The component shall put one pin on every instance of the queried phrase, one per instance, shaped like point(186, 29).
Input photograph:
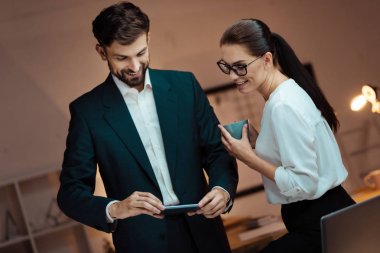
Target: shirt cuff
point(229, 203)
point(289, 191)
point(108, 216)
point(228, 194)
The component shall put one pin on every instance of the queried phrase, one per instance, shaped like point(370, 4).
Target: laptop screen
point(354, 229)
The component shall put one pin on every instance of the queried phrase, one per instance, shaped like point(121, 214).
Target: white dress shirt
point(297, 139)
point(142, 108)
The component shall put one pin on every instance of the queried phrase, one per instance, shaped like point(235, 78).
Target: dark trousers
point(179, 235)
point(302, 220)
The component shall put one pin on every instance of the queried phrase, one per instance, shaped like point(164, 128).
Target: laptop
point(354, 229)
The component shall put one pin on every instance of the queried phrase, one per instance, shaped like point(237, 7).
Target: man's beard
point(132, 81)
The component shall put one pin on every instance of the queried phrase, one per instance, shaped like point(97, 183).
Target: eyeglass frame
point(231, 67)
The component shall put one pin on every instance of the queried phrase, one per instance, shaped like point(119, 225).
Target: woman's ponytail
point(291, 66)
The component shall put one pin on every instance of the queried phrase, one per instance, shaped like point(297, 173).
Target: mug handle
point(368, 180)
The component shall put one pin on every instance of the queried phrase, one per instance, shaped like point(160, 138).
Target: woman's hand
point(241, 149)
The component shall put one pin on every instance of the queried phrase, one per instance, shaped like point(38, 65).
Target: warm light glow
point(369, 93)
point(358, 102)
point(376, 107)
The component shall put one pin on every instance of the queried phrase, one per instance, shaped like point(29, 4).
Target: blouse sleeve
point(297, 176)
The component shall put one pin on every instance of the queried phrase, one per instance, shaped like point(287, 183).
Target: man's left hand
point(212, 204)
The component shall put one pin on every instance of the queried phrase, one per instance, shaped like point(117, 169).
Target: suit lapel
point(119, 118)
point(166, 105)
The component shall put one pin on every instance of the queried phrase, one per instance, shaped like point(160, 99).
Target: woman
point(296, 152)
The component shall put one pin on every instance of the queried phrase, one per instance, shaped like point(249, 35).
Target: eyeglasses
point(238, 69)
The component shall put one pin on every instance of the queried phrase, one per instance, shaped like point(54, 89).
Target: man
point(151, 133)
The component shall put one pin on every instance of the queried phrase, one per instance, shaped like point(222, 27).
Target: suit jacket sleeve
point(220, 167)
point(75, 196)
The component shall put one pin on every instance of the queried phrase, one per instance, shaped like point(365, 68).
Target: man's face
point(128, 62)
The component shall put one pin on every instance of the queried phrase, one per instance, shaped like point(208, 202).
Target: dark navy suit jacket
point(102, 133)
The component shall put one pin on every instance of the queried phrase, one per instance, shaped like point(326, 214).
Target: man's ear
point(101, 52)
point(148, 37)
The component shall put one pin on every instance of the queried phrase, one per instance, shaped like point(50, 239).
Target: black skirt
point(302, 219)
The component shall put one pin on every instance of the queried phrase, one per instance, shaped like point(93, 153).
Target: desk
point(235, 226)
point(364, 193)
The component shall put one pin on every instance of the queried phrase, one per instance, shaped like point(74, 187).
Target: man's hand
point(212, 204)
point(136, 204)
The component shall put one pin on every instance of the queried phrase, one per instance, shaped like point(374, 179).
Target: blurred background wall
point(48, 58)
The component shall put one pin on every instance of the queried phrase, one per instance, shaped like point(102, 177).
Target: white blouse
point(297, 139)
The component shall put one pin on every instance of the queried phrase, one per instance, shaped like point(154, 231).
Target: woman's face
point(237, 57)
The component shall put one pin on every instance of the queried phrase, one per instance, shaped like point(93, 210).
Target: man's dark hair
point(123, 22)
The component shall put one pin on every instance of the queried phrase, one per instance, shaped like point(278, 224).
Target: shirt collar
point(125, 88)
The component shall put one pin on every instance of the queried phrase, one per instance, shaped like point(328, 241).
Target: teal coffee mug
point(236, 128)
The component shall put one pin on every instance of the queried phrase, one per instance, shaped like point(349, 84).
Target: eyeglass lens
point(240, 70)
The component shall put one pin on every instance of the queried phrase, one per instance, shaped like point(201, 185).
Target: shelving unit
point(27, 227)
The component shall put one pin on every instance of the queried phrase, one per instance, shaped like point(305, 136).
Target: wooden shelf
point(16, 240)
point(18, 200)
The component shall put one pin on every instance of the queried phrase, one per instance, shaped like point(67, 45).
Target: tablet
point(179, 209)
